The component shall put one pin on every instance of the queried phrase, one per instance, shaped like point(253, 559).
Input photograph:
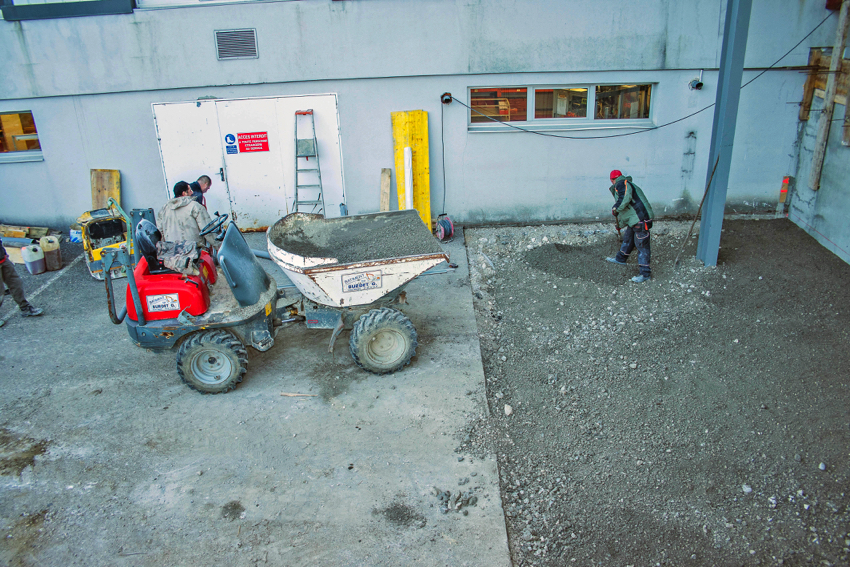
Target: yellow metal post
point(410, 130)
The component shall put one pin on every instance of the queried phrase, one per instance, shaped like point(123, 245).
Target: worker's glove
point(614, 212)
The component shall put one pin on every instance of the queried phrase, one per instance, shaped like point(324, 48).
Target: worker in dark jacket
point(634, 214)
point(9, 276)
point(199, 187)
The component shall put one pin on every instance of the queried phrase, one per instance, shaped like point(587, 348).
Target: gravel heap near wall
point(697, 419)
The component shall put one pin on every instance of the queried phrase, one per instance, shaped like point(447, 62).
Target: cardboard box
point(14, 254)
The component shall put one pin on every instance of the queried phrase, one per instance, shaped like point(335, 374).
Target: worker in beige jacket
point(182, 218)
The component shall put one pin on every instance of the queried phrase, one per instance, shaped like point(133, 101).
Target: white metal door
point(189, 147)
point(253, 161)
point(250, 143)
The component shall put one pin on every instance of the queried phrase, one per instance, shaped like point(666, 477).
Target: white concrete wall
point(320, 39)
point(90, 82)
point(824, 213)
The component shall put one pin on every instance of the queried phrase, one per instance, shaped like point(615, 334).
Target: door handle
point(221, 172)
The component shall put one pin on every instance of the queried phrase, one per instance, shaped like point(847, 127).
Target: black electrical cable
point(645, 130)
point(584, 137)
point(828, 16)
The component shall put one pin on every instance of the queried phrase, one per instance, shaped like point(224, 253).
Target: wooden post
point(105, 183)
point(385, 189)
point(811, 80)
point(829, 98)
point(844, 90)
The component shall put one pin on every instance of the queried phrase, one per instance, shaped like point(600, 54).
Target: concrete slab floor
point(107, 458)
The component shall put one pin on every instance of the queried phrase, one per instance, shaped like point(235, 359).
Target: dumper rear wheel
point(212, 362)
point(382, 341)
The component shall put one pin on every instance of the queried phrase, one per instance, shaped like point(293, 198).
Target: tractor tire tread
point(218, 337)
point(374, 320)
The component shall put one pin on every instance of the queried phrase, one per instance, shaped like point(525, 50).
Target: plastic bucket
point(33, 258)
point(52, 253)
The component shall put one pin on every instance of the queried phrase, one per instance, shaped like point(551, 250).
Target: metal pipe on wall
point(408, 178)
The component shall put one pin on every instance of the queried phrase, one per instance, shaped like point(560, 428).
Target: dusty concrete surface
point(700, 418)
point(107, 459)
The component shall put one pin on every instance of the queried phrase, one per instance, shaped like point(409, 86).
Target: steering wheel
point(214, 225)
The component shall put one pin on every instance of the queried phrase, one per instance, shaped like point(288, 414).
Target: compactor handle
point(108, 260)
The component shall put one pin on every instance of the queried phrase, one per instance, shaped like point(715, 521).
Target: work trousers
point(636, 237)
point(10, 277)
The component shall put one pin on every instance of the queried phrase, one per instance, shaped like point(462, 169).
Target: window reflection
point(501, 104)
point(18, 133)
point(622, 101)
point(560, 103)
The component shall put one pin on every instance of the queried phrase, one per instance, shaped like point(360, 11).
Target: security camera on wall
point(696, 84)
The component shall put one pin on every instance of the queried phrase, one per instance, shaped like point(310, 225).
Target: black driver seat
point(147, 235)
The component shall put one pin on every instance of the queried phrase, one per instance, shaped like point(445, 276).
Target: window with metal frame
point(560, 103)
point(18, 137)
point(22, 10)
point(618, 102)
point(561, 106)
point(503, 104)
point(145, 4)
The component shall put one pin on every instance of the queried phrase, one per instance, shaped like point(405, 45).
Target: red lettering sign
point(253, 142)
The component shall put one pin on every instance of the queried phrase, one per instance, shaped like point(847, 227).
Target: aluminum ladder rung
point(306, 148)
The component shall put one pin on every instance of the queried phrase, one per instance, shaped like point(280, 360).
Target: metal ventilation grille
point(236, 44)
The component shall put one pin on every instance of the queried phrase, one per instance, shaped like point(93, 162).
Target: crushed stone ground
point(697, 419)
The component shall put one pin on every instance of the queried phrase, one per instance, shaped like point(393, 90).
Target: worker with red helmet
point(634, 214)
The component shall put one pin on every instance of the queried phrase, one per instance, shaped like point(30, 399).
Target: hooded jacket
point(631, 204)
point(182, 218)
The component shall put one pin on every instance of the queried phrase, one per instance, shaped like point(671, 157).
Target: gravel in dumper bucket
point(356, 260)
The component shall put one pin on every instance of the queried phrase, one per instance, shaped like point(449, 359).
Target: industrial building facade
point(547, 98)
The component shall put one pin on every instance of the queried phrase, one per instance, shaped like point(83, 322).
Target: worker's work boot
point(641, 278)
point(615, 261)
point(30, 311)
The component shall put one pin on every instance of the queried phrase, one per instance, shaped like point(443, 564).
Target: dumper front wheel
point(212, 362)
point(382, 341)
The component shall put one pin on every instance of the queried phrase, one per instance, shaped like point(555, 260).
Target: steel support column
point(723, 129)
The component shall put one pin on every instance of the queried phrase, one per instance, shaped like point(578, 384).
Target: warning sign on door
point(253, 142)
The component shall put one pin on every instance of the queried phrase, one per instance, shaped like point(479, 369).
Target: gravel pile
point(356, 238)
point(696, 419)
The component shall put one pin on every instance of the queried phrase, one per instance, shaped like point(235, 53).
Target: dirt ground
point(701, 418)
